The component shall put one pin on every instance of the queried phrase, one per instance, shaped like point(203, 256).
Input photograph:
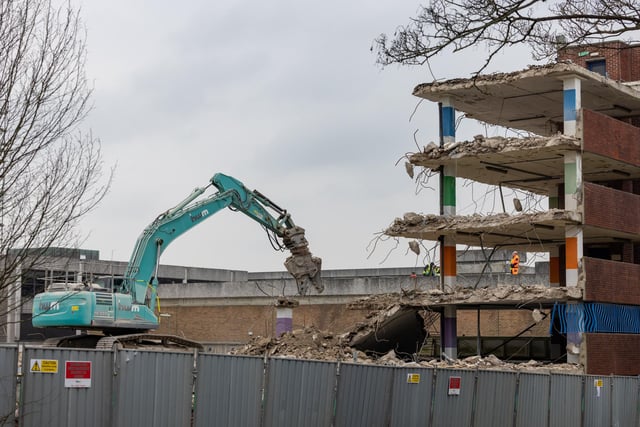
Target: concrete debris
point(502, 77)
point(401, 330)
point(409, 168)
point(414, 222)
point(503, 294)
point(537, 315)
point(415, 247)
point(307, 343)
point(496, 144)
point(491, 362)
point(312, 344)
point(396, 327)
point(286, 302)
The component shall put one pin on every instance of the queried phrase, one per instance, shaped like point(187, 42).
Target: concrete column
point(554, 197)
point(572, 100)
point(554, 267)
point(554, 253)
point(449, 337)
point(284, 320)
point(448, 257)
point(574, 252)
point(448, 123)
point(572, 180)
point(448, 197)
point(284, 315)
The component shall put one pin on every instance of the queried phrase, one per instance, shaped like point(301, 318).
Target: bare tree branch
point(450, 26)
point(50, 173)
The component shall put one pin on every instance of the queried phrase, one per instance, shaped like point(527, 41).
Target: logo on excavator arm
point(200, 215)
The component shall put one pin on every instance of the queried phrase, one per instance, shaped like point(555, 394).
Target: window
point(598, 66)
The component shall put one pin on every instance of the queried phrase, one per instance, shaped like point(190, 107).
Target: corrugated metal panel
point(596, 317)
point(495, 398)
point(47, 402)
point(411, 401)
point(625, 401)
point(565, 402)
point(153, 388)
point(299, 393)
point(532, 405)
point(228, 391)
point(8, 370)
point(364, 395)
point(453, 410)
point(597, 401)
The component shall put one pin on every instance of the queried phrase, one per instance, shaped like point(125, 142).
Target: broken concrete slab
point(531, 99)
point(507, 296)
point(402, 332)
point(532, 231)
point(533, 164)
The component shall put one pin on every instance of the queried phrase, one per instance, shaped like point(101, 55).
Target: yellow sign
point(44, 366)
point(597, 383)
point(413, 378)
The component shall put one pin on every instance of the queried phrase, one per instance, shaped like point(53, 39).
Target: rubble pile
point(307, 343)
point(312, 344)
point(489, 363)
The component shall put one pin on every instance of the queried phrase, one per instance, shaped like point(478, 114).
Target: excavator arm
point(142, 271)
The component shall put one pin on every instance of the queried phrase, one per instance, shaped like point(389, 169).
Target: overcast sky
point(284, 96)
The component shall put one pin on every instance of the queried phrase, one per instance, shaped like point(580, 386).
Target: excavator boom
point(133, 307)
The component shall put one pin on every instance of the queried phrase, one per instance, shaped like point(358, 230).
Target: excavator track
point(146, 341)
point(73, 341)
point(142, 341)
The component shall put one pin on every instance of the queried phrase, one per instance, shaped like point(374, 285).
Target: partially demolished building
point(583, 153)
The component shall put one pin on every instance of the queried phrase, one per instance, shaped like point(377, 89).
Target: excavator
point(127, 313)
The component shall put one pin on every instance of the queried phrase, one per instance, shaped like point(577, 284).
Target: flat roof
point(532, 99)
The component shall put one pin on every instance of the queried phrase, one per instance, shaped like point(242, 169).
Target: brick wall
point(611, 209)
point(500, 323)
point(622, 60)
point(617, 354)
point(232, 323)
point(611, 281)
point(609, 137)
point(634, 64)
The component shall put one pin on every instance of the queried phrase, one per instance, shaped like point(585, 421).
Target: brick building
point(582, 153)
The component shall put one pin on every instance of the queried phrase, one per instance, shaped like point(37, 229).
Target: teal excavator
point(128, 312)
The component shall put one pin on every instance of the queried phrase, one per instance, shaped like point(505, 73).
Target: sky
point(284, 96)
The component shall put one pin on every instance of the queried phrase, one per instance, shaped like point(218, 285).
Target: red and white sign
point(454, 386)
point(77, 374)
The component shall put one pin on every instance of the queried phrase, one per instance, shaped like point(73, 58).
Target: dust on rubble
point(484, 145)
point(311, 343)
point(307, 343)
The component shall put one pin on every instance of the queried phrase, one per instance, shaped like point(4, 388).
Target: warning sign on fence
point(77, 374)
point(454, 386)
point(43, 366)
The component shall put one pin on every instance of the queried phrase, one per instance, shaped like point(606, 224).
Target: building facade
point(582, 152)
